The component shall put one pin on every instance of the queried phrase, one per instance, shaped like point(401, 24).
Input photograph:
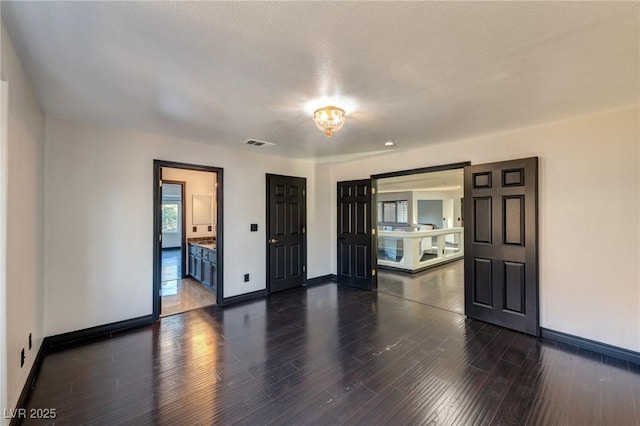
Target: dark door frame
point(267, 236)
point(421, 170)
point(157, 226)
point(374, 202)
point(183, 235)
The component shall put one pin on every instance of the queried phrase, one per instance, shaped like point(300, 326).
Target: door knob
point(273, 241)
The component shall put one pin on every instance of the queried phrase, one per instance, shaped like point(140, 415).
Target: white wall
point(24, 223)
point(589, 215)
point(321, 221)
point(99, 202)
point(454, 197)
point(196, 182)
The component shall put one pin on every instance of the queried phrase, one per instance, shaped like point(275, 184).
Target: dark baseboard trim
point(74, 338)
point(321, 280)
point(243, 297)
point(592, 345)
point(23, 399)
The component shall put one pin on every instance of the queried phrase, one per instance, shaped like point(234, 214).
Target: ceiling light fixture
point(329, 119)
point(389, 143)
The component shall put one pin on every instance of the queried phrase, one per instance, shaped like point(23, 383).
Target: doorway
point(188, 242)
point(173, 265)
point(500, 245)
point(419, 235)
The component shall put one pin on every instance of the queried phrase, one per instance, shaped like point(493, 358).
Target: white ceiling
point(414, 72)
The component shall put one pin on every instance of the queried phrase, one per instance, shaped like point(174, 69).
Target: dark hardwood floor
point(333, 355)
point(441, 287)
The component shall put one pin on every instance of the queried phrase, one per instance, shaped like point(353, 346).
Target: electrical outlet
point(30, 341)
point(254, 227)
point(195, 229)
point(246, 278)
point(209, 228)
point(22, 358)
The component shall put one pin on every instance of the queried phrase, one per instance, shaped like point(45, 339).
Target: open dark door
point(286, 232)
point(355, 235)
point(501, 244)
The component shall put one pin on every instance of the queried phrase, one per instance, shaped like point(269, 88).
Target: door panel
point(513, 224)
point(483, 282)
point(286, 239)
point(501, 244)
point(514, 287)
point(355, 239)
point(482, 218)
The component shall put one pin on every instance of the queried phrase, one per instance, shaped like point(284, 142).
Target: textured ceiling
point(414, 72)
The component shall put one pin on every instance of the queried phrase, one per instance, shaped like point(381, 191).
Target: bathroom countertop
point(205, 244)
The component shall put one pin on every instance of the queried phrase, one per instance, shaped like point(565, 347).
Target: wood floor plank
point(337, 413)
point(552, 399)
point(384, 408)
point(519, 349)
point(584, 392)
point(279, 399)
point(515, 408)
point(493, 391)
point(486, 359)
point(462, 393)
point(617, 404)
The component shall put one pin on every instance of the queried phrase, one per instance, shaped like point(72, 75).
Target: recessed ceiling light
point(389, 143)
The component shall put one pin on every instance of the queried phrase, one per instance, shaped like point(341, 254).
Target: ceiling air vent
point(255, 142)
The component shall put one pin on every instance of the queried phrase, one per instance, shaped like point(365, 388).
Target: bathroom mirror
point(202, 209)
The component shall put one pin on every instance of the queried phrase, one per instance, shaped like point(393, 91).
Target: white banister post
point(442, 243)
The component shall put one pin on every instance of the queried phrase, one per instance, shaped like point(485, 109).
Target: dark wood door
point(501, 244)
point(286, 233)
point(355, 235)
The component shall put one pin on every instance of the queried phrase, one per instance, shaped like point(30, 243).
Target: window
point(389, 212)
point(169, 217)
point(393, 211)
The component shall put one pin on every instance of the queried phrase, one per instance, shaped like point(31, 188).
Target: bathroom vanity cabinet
point(203, 264)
